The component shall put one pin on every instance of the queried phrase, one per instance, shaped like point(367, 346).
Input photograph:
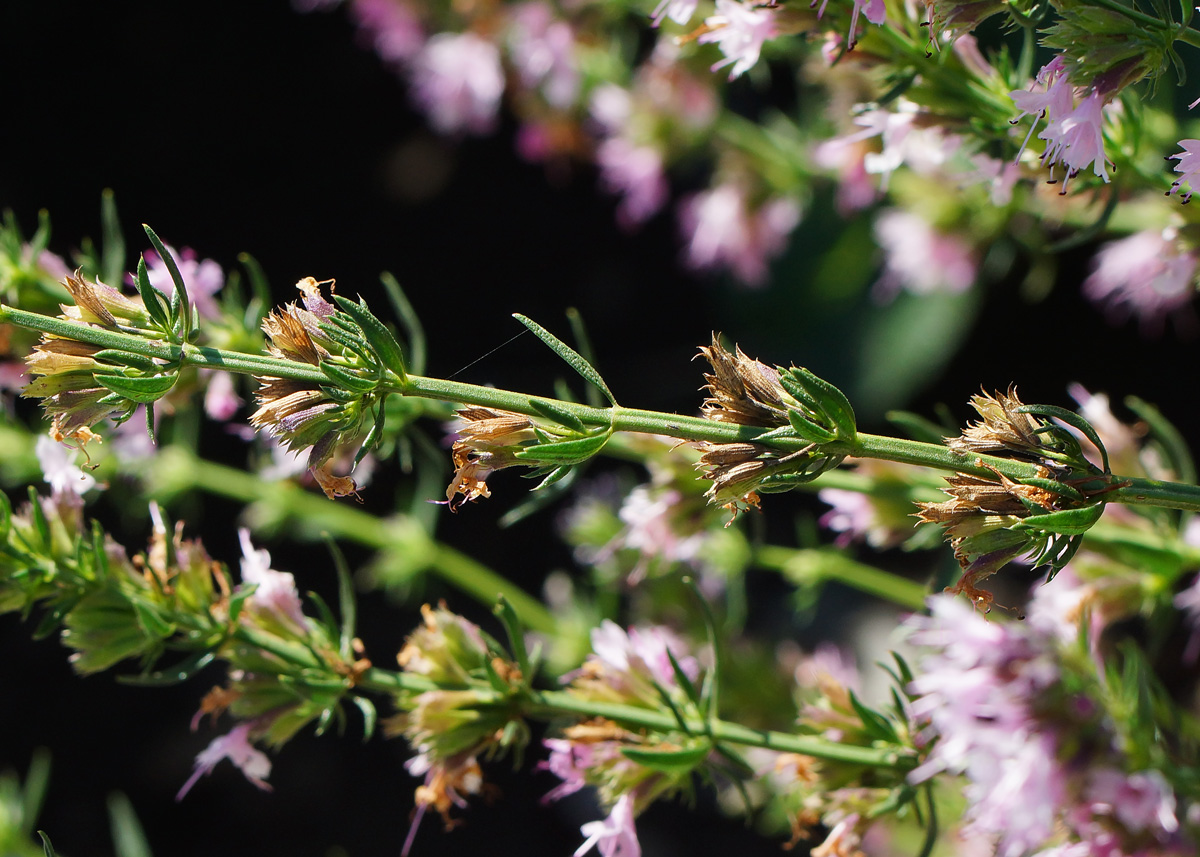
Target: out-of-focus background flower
point(234, 127)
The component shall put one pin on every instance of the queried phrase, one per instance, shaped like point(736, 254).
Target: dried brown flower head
point(742, 390)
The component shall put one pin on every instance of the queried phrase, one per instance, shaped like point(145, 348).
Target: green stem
point(549, 705)
point(176, 470)
point(1138, 491)
point(826, 565)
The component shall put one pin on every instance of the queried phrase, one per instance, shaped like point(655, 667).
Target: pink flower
point(642, 652)
point(919, 259)
point(221, 401)
point(1146, 275)
point(458, 81)
point(723, 232)
point(66, 478)
point(739, 30)
point(392, 28)
point(1141, 801)
point(1188, 167)
point(1054, 101)
point(275, 594)
point(616, 835)
point(236, 747)
point(679, 11)
point(1076, 139)
point(636, 173)
point(875, 12)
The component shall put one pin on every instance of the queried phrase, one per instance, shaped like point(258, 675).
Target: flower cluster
point(1006, 706)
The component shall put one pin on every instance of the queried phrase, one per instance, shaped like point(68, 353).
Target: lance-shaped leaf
point(558, 414)
point(1072, 419)
point(566, 451)
point(572, 357)
point(155, 301)
point(830, 401)
point(181, 304)
point(385, 346)
point(145, 389)
point(1067, 522)
point(348, 379)
point(668, 761)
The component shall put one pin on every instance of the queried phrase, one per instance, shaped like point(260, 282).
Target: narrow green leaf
point(129, 840)
point(5, 517)
point(831, 401)
point(809, 430)
point(1069, 522)
point(515, 630)
point(40, 525)
point(47, 848)
point(112, 242)
point(668, 761)
point(177, 674)
point(148, 388)
point(150, 621)
point(1161, 429)
point(710, 693)
point(33, 791)
point(560, 415)
point(184, 318)
point(579, 332)
point(126, 358)
point(369, 715)
point(1072, 419)
point(386, 348)
point(684, 680)
point(876, 725)
point(572, 357)
point(260, 305)
point(347, 605)
point(564, 452)
point(155, 301)
point(348, 379)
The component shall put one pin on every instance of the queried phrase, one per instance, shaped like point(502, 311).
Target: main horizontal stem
point(1133, 490)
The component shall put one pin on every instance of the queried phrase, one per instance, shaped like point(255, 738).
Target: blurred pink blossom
point(236, 747)
point(920, 259)
point(458, 81)
point(202, 278)
point(392, 28)
point(542, 48)
point(616, 835)
point(636, 174)
point(1187, 168)
point(739, 30)
point(723, 232)
point(1145, 274)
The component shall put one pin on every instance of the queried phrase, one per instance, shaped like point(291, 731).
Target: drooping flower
point(66, 478)
point(237, 748)
point(1077, 139)
point(1187, 168)
point(458, 81)
point(1146, 274)
point(615, 836)
point(739, 30)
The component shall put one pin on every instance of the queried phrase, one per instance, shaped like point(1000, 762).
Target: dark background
point(233, 126)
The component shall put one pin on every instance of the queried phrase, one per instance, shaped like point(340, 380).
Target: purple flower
point(1055, 100)
point(723, 232)
point(739, 30)
point(236, 747)
point(1188, 167)
point(650, 528)
point(875, 12)
point(1146, 275)
point(221, 401)
point(458, 81)
point(616, 835)
point(919, 259)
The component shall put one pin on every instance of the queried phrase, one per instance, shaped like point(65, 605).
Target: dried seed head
point(289, 335)
point(1002, 431)
point(96, 303)
point(487, 440)
point(742, 390)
